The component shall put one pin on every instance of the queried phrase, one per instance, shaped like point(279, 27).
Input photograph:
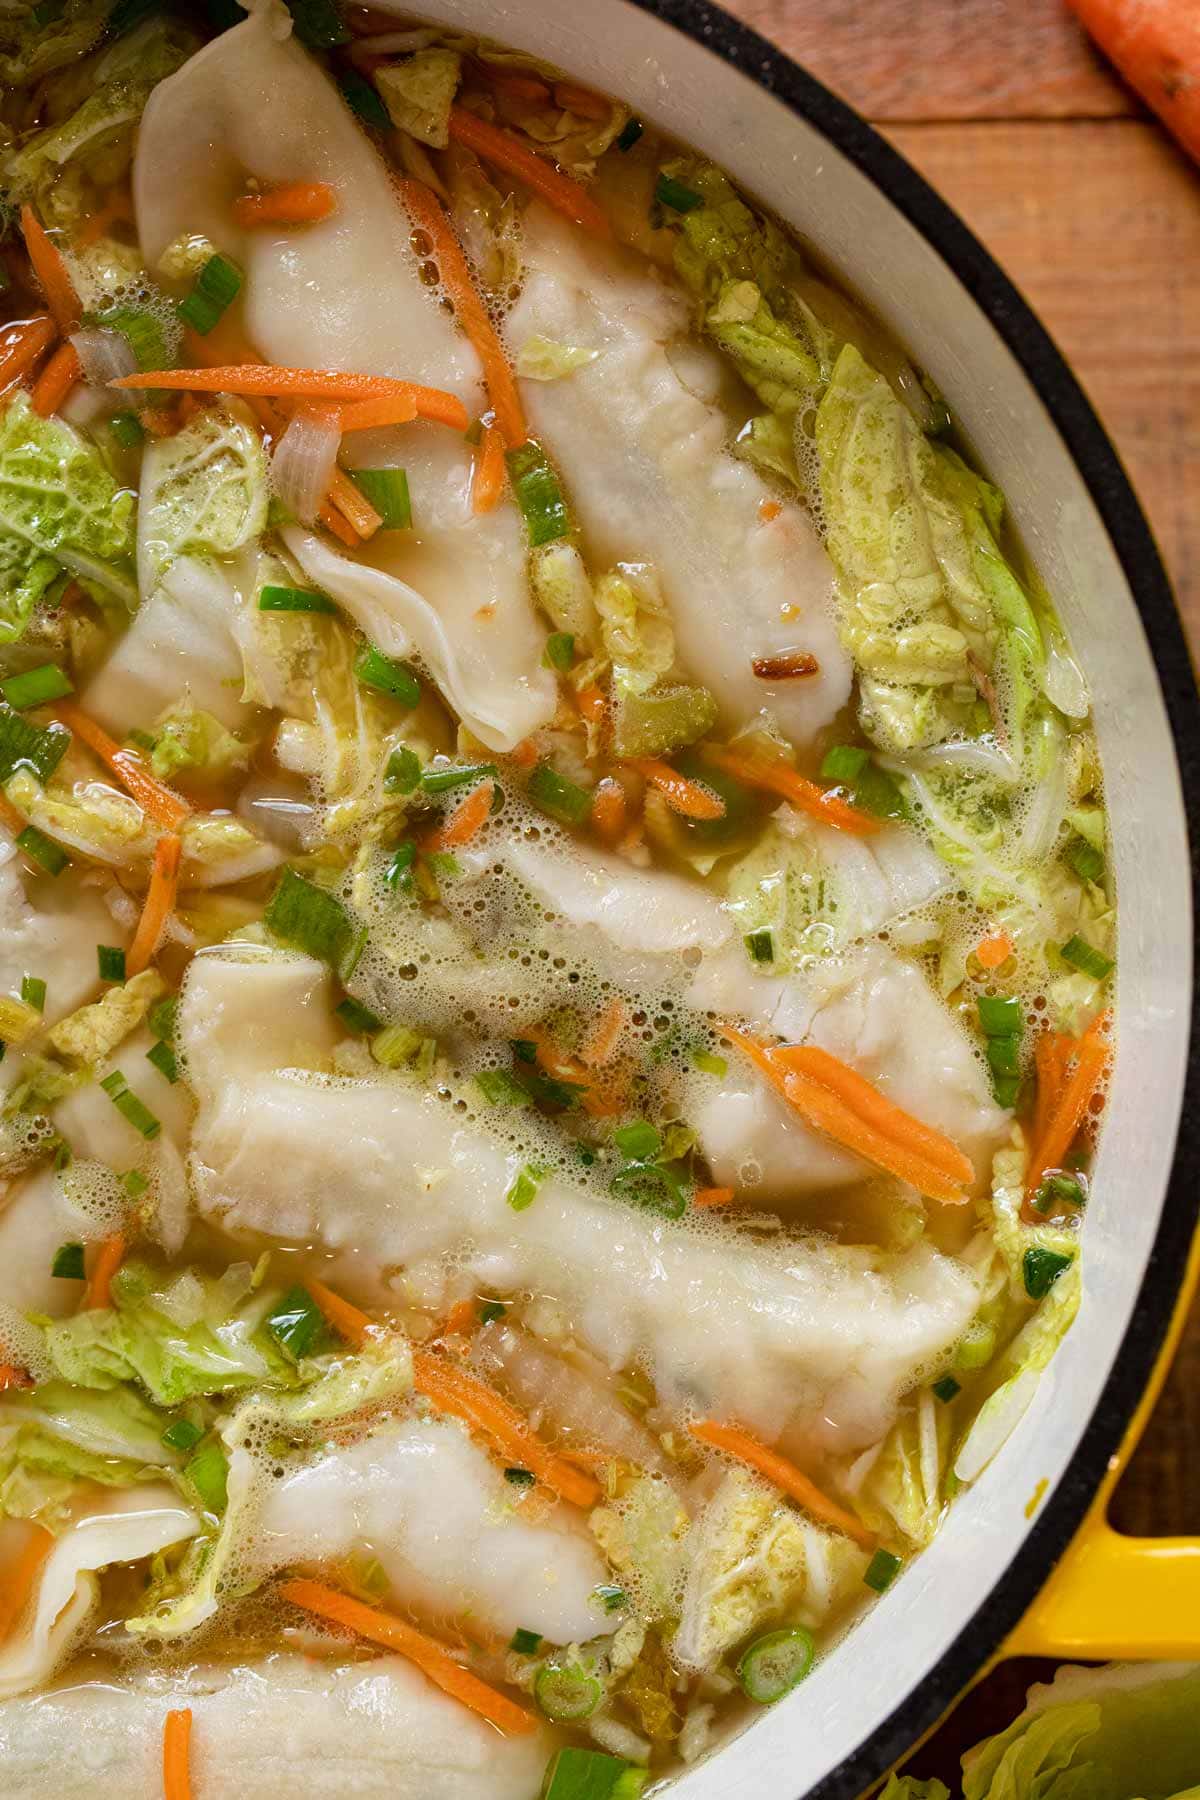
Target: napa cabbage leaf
point(57, 1436)
point(32, 45)
point(747, 1565)
point(187, 739)
point(204, 491)
point(93, 1032)
point(419, 91)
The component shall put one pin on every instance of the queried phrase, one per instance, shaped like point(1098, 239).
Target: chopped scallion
point(776, 1663)
point(1041, 1268)
point(761, 945)
point(33, 992)
point(1004, 1055)
point(500, 1088)
point(1000, 1016)
point(142, 330)
point(402, 771)
point(710, 1063)
point(525, 1643)
point(68, 1262)
point(538, 494)
point(1061, 1190)
point(356, 1017)
point(1085, 859)
point(567, 1692)
point(653, 1186)
point(641, 1140)
point(491, 1310)
point(396, 1045)
point(523, 1189)
point(182, 1435)
point(945, 1389)
point(296, 1323)
point(308, 918)
point(386, 676)
point(387, 490)
point(558, 796)
point(442, 780)
point(1085, 957)
point(134, 1183)
point(521, 1478)
point(292, 599)
point(26, 746)
point(844, 763)
point(610, 1597)
point(128, 430)
point(363, 97)
point(208, 1473)
point(882, 1570)
point(560, 651)
point(215, 289)
point(43, 850)
point(576, 1774)
point(399, 870)
point(672, 193)
point(161, 1017)
point(34, 687)
point(629, 134)
point(111, 962)
point(163, 1058)
point(129, 1106)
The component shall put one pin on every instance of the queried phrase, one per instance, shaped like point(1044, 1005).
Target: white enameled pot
point(694, 72)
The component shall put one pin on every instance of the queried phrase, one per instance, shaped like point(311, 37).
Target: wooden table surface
point(1089, 206)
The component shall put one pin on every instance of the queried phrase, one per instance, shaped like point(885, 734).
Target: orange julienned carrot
point(158, 803)
point(994, 949)
point(784, 1475)
point(12, 1377)
point(356, 1326)
point(433, 1660)
point(561, 1066)
point(159, 903)
point(272, 381)
point(51, 271)
point(462, 1318)
point(20, 1576)
point(609, 809)
point(468, 818)
point(176, 1754)
point(487, 479)
point(293, 203)
point(823, 1109)
point(591, 703)
point(525, 755)
point(428, 215)
point(514, 84)
point(775, 776)
point(1156, 46)
point(1071, 1103)
point(713, 1196)
point(690, 798)
point(453, 1390)
point(1051, 1054)
point(582, 101)
point(505, 151)
point(600, 1042)
point(56, 380)
point(108, 1261)
point(353, 504)
point(426, 403)
point(24, 343)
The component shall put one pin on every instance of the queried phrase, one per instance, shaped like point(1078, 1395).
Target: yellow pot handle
point(1116, 1596)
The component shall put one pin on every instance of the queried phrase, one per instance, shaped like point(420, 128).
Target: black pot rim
point(1100, 468)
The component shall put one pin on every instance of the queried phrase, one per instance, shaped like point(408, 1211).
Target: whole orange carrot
point(1156, 46)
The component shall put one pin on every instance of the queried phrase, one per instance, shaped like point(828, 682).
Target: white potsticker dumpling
point(51, 933)
point(347, 294)
point(124, 1526)
point(36, 1219)
point(811, 1337)
point(286, 1724)
point(651, 480)
point(94, 1127)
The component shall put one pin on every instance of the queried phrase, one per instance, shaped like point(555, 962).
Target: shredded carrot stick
point(604, 1036)
point(768, 510)
point(12, 1377)
point(23, 345)
point(1071, 1103)
point(507, 152)
point(433, 1660)
point(462, 1318)
point(876, 1110)
point(782, 1474)
point(774, 776)
point(514, 84)
point(427, 214)
point(353, 504)
point(526, 754)
point(591, 703)
point(993, 950)
point(116, 209)
point(714, 1196)
point(108, 1261)
point(487, 480)
point(273, 382)
point(156, 801)
point(453, 1390)
point(159, 903)
point(416, 402)
point(609, 809)
point(823, 1109)
point(19, 1579)
point(294, 203)
point(51, 271)
point(356, 1326)
point(177, 1740)
point(10, 818)
point(1051, 1054)
point(596, 1102)
point(581, 100)
point(56, 380)
point(690, 798)
point(468, 818)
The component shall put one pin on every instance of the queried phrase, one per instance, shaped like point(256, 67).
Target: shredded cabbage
point(57, 1436)
point(635, 625)
point(419, 93)
point(187, 738)
point(204, 491)
point(540, 359)
point(93, 1032)
point(747, 1565)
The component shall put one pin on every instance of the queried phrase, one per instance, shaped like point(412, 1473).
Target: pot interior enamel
point(815, 1740)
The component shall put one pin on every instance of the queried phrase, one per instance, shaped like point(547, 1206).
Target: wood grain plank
point(946, 59)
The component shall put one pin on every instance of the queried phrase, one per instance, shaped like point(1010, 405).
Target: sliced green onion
point(653, 1186)
point(208, 1473)
point(945, 1389)
point(1004, 1055)
point(576, 1774)
point(500, 1088)
point(402, 771)
point(1041, 1268)
point(538, 494)
point(844, 763)
point(525, 1643)
point(34, 687)
point(473, 435)
point(26, 746)
point(356, 1017)
point(560, 651)
point(882, 1570)
point(443, 862)
point(876, 792)
point(610, 1597)
point(68, 1262)
point(761, 945)
point(1006, 1088)
point(129, 1106)
point(182, 1435)
point(521, 1478)
point(710, 1064)
point(142, 330)
point(292, 599)
point(363, 97)
point(1063, 1188)
point(561, 798)
point(491, 1310)
point(163, 1058)
point(399, 870)
point(1085, 859)
point(527, 1181)
point(443, 780)
point(999, 1016)
point(134, 1183)
point(214, 290)
point(630, 132)
point(43, 850)
point(672, 193)
point(1082, 955)
point(318, 24)
point(62, 1155)
point(641, 1140)
point(308, 918)
point(33, 992)
point(773, 1665)
point(386, 676)
point(111, 962)
point(387, 490)
point(566, 1693)
point(127, 429)
point(296, 1323)
point(397, 1045)
point(161, 1017)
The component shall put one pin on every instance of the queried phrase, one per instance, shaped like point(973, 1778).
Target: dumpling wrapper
point(811, 1336)
point(94, 1127)
point(285, 1724)
point(651, 480)
point(347, 294)
point(125, 1526)
point(50, 930)
point(36, 1219)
